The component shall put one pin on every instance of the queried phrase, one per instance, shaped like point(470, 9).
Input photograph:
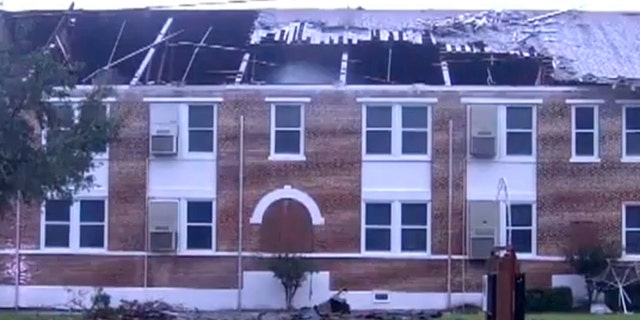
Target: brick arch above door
point(287, 192)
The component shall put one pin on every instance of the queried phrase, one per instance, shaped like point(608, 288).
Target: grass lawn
point(552, 316)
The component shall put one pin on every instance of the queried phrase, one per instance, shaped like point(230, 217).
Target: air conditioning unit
point(484, 125)
point(164, 140)
point(483, 220)
point(163, 222)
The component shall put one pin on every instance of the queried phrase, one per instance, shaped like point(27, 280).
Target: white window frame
point(534, 226)
point(624, 229)
point(183, 226)
point(625, 157)
point(504, 130)
point(397, 129)
point(395, 227)
point(184, 115)
point(76, 117)
point(300, 156)
point(74, 226)
point(595, 131)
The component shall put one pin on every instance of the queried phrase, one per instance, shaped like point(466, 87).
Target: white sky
point(588, 5)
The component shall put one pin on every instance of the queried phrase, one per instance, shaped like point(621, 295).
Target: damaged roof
point(588, 47)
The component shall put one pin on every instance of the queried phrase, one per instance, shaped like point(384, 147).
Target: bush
point(291, 270)
point(558, 299)
point(611, 298)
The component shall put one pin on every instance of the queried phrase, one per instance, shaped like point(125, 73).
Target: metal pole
point(450, 215)
point(240, 209)
point(17, 251)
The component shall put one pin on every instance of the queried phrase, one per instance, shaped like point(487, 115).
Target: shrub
point(590, 262)
point(291, 270)
point(558, 299)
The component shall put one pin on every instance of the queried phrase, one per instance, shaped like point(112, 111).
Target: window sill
point(287, 157)
point(632, 159)
point(584, 160)
point(395, 255)
point(402, 158)
point(196, 253)
point(72, 251)
point(518, 159)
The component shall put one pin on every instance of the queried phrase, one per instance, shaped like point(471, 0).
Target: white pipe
point(151, 51)
point(464, 222)
point(145, 267)
point(450, 215)
point(17, 251)
point(240, 209)
point(503, 186)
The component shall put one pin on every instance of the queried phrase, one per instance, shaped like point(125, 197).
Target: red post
point(507, 270)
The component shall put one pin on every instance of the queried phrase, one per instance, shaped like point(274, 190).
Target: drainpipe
point(240, 209)
point(450, 215)
point(18, 243)
point(145, 268)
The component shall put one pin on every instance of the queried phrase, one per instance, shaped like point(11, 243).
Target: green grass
point(552, 316)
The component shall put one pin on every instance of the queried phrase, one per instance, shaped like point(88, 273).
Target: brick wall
point(331, 176)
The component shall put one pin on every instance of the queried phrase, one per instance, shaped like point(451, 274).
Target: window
point(519, 131)
point(521, 229)
point(631, 138)
point(631, 232)
point(397, 130)
point(201, 128)
point(396, 227)
point(585, 131)
point(67, 115)
point(75, 225)
point(287, 129)
point(200, 225)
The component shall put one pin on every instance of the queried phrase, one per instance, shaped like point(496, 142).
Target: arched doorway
point(286, 227)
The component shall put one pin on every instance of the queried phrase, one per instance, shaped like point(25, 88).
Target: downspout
point(145, 268)
point(18, 243)
point(240, 209)
point(450, 215)
point(464, 222)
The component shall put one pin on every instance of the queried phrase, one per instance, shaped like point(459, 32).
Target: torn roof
point(590, 47)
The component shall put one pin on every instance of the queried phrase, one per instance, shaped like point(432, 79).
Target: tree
point(291, 270)
point(29, 168)
point(591, 261)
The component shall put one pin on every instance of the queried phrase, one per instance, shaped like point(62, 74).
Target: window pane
point(201, 140)
point(519, 118)
point(521, 240)
point(65, 116)
point(379, 117)
point(632, 242)
point(91, 210)
point(378, 142)
point(288, 116)
point(378, 214)
point(414, 142)
point(585, 118)
point(519, 143)
point(632, 216)
point(415, 117)
point(414, 214)
point(632, 118)
point(199, 237)
point(584, 144)
point(56, 236)
point(57, 210)
point(632, 144)
point(287, 142)
point(414, 240)
point(377, 239)
point(199, 211)
point(521, 215)
point(92, 236)
point(201, 116)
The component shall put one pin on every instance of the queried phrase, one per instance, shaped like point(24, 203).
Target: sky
point(587, 5)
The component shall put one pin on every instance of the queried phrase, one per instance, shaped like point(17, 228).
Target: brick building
point(346, 156)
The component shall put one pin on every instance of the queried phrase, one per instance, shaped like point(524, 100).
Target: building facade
point(358, 178)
